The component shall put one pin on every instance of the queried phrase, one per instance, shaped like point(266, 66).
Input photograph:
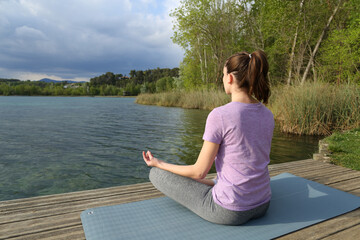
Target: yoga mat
point(296, 203)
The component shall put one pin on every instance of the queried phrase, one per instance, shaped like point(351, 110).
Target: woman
point(238, 138)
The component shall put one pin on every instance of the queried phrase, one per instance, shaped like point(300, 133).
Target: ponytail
point(250, 71)
point(257, 75)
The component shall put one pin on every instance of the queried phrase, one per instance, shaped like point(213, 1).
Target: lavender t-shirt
point(244, 132)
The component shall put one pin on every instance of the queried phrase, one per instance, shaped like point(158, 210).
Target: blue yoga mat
point(296, 203)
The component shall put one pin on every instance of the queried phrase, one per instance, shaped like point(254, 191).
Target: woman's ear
point(231, 78)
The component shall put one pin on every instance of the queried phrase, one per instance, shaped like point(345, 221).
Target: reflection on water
point(54, 144)
point(290, 147)
point(194, 124)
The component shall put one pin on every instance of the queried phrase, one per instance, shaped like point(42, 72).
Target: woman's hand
point(198, 170)
point(150, 160)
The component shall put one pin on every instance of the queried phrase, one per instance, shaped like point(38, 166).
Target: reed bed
point(311, 109)
point(202, 99)
point(316, 108)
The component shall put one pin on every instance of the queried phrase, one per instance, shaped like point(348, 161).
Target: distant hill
point(48, 80)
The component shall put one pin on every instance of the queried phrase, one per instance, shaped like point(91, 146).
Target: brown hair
point(250, 71)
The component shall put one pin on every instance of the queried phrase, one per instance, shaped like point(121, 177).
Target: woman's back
point(244, 132)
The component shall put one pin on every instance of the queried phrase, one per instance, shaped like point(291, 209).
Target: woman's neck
point(241, 95)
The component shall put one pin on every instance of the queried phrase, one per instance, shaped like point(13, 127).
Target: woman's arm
point(198, 170)
point(209, 182)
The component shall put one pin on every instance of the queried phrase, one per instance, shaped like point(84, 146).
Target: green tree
point(290, 32)
point(164, 84)
point(5, 89)
point(208, 31)
point(340, 54)
point(94, 91)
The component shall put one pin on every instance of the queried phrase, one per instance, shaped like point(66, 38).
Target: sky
point(80, 39)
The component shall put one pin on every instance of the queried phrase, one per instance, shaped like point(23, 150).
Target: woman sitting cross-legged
point(238, 138)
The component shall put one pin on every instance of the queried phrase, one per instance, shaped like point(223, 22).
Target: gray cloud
point(84, 38)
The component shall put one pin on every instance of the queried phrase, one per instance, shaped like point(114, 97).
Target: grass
point(202, 99)
point(345, 148)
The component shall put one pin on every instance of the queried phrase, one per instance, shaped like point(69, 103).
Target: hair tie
point(250, 55)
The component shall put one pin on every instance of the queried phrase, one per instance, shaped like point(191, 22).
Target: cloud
point(29, 33)
point(85, 38)
point(32, 7)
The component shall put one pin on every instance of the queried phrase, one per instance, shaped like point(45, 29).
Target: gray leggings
point(198, 198)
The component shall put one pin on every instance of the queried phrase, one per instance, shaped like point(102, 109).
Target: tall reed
point(200, 99)
point(316, 108)
point(312, 109)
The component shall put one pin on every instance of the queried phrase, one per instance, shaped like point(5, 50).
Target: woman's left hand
point(150, 160)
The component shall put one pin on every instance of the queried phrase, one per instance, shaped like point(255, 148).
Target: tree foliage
point(322, 35)
point(340, 56)
point(108, 84)
point(209, 31)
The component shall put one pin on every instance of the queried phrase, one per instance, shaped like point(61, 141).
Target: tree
point(316, 48)
point(164, 84)
point(340, 54)
point(208, 31)
point(291, 60)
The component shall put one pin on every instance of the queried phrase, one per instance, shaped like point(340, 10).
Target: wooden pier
point(58, 216)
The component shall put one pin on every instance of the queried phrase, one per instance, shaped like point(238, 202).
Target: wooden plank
point(62, 218)
point(309, 163)
point(347, 185)
point(355, 191)
point(307, 168)
point(39, 225)
point(34, 206)
point(328, 175)
point(65, 233)
point(314, 174)
point(70, 197)
point(78, 193)
point(326, 228)
point(349, 233)
point(61, 208)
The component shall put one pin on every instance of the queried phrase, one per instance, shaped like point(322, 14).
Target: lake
point(54, 145)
